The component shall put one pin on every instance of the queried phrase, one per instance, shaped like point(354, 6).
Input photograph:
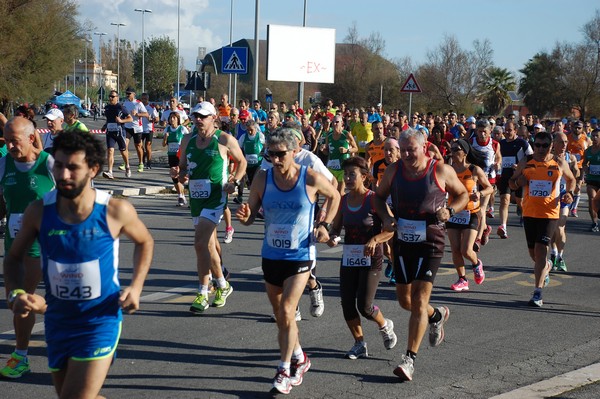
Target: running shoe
point(358, 350)
point(460, 285)
point(141, 167)
point(389, 269)
point(536, 299)
point(485, 237)
point(282, 383)
point(200, 304)
point(490, 212)
point(228, 235)
point(122, 166)
point(574, 213)
point(297, 370)
point(237, 199)
point(317, 306)
point(477, 245)
point(405, 369)
point(16, 367)
point(392, 280)
point(128, 172)
point(553, 261)
point(181, 201)
point(478, 273)
point(595, 228)
point(436, 330)
point(108, 175)
point(502, 232)
point(387, 333)
point(221, 295)
point(148, 165)
point(560, 265)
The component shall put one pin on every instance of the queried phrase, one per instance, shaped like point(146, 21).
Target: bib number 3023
point(75, 281)
point(411, 231)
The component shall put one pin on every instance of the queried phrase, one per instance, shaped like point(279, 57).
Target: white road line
point(157, 296)
point(555, 385)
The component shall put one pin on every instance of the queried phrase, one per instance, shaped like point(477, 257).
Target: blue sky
point(517, 29)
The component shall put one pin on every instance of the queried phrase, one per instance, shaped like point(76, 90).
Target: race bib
point(74, 281)
point(173, 147)
point(578, 157)
point(252, 159)
point(14, 224)
point(112, 127)
point(540, 188)
point(412, 230)
point(282, 236)
point(354, 256)
point(199, 188)
point(595, 170)
point(462, 217)
point(334, 164)
point(508, 162)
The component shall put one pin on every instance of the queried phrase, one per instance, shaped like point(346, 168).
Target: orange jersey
point(224, 110)
point(375, 152)
point(577, 148)
point(467, 178)
point(541, 196)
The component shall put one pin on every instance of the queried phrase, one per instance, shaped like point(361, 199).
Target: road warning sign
point(235, 60)
point(411, 85)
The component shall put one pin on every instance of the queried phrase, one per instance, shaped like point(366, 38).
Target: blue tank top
point(80, 266)
point(288, 221)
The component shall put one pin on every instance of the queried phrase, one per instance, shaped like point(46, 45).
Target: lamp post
point(177, 88)
point(118, 25)
point(143, 11)
point(85, 97)
point(101, 80)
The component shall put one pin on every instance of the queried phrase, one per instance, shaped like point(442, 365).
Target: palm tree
point(496, 84)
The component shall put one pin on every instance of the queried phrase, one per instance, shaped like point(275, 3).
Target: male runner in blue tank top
point(287, 193)
point(418, 186)
point(78, 228)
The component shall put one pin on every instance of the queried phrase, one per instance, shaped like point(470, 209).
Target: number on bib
point(199, 188)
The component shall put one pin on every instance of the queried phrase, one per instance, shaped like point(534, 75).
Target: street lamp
point(86, 71)
point(143, 46)
point(101, 80)
point(118, 25)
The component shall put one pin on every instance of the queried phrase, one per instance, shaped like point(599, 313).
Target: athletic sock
point(435, 317)
point(204, 290)
point(575, 203)
point(21, 352)
point(221, 282)
point(298, 355)
point(411, 354)
point(285, 366)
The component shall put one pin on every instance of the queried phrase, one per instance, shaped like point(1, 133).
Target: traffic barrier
point(95, 131)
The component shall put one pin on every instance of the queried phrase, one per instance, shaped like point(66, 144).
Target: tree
point(451, 76)
point(125, 61)
point(40, 40)
point(160, 59)
point(541, 85)
point(496, 84)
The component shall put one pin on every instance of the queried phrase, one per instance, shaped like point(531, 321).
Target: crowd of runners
point(387, 186)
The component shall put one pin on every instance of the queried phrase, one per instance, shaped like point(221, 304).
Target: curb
point(129, 192)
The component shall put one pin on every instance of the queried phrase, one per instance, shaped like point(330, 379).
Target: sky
point(517, 29)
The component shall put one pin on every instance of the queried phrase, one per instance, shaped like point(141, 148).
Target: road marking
point(157, 296)
point(332, 250)
point(555, 385)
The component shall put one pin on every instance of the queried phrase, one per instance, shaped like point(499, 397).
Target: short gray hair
point(411, 133)
point(285, 136)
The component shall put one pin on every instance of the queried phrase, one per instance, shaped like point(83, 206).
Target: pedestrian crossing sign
point(234, 60)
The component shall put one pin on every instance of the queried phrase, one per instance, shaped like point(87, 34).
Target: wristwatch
point(325, 224)
point(14, 294)
point(450, 211)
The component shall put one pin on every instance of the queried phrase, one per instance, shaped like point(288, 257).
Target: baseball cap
point(471, 119)
point(130, 90)
point(205, 108)
point(538, 126)
point(244, 114)
point(594, 121)
point(54, 114)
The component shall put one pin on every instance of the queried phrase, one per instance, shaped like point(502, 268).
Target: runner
point(288, 251)
point(134, 128)
point(559, 238)
point(116, 115)
point(512, 150)
point(539, 175)
point(25, 176)
point(374, 149)
point(82, 314)
point(252, 143)
point(591, 168)
point(54, 119)
point(204, 162)
point(173, 135)
point(462, 227)
point(362, 259)
point(339, 145)
point(578, 143)
point(148, 130)
point(418, 186)
point(72, 122)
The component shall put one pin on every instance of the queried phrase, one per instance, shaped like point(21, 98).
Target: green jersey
point(207, 173)
point(174, 137)
point(78, 125)
point(20, 189)
point(335, 156)
point(593, 159)
point(253, 149)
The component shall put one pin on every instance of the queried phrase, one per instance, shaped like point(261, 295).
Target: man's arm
point(123, 219)
point(183, 167)
point(234, 150)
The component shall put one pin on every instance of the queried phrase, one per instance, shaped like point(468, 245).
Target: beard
point(70, 193)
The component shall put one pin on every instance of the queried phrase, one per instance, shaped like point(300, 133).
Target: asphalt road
point(494, 342)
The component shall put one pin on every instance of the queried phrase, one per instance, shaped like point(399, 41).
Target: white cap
point(54, 114)
point(204, 108)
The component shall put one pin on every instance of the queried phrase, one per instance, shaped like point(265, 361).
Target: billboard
point(300, 54)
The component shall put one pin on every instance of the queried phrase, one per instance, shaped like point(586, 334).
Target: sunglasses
point(278, 154)
point(540, 145)
point(200, 116)
point(112, 96)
